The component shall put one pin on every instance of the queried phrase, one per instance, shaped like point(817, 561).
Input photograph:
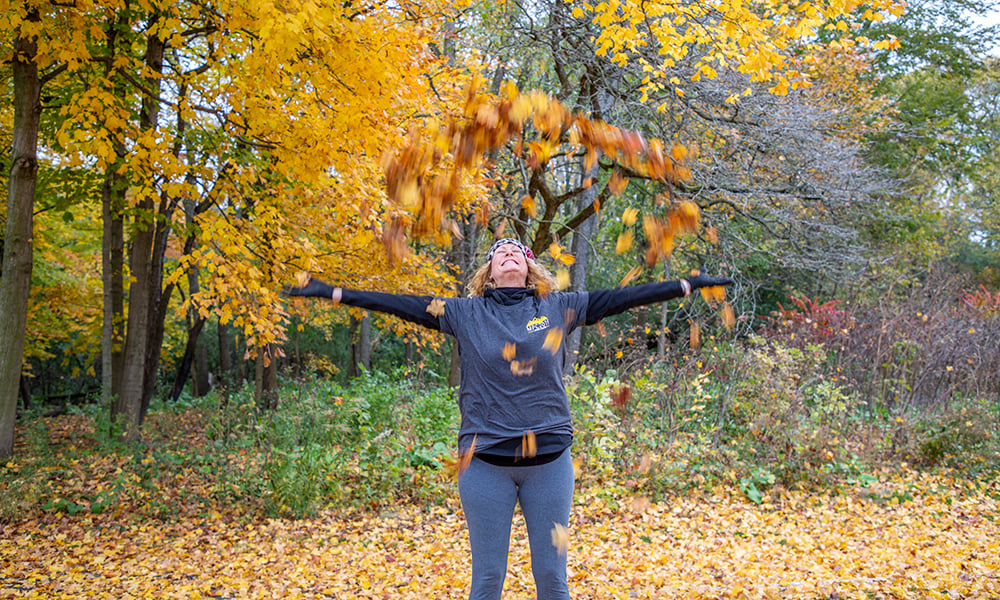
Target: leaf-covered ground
point(908, 536)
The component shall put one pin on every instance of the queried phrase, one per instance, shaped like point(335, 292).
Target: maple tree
point(174, 111)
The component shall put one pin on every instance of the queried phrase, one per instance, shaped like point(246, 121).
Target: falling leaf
point(466, 458)
point(728, 317)
point(553, 339)
point(617, 183)
point(629, 216)
point(529, 445)
point(562, 276)
point(632, 274)
point(528, 206)
point(645, 463)
point(409, 193)
point(624, 243)
point(712, 234)
point(509, 351)
point(641, 504)
point(436, 307)
point(678, 152)
point(695, 336)
point(523, 367)
point(560, 538)
point(620, 397)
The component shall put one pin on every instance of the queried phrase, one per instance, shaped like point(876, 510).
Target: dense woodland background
point(172, 165)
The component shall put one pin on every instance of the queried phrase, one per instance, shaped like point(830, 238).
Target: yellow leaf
point(560, 538)
point(509, 351)
point(528, 206)
point(632, 274)
point(436, 307)
point(553, 339)
point(562, 276)
point(695, 336)
point(624, 243)
point(629, 216)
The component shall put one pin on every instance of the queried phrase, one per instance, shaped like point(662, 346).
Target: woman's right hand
point(700, 281)
point(315, 288)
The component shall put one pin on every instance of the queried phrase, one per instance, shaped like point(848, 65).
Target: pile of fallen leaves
point(912, 535)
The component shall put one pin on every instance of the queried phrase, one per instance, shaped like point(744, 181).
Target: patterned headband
point(527, 251)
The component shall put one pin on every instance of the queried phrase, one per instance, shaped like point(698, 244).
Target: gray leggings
point(489, 494)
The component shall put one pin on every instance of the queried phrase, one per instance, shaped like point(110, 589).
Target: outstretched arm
point(605, 303)
point(410, 307)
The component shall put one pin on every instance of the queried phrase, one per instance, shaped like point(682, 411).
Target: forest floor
point(912, 535)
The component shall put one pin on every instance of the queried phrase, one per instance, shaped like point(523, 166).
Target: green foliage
point(383, 436)
point(754, 484)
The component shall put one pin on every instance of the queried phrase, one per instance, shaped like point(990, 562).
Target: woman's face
point(509, 267)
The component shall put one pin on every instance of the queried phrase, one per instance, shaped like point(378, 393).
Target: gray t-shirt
point(512, 347)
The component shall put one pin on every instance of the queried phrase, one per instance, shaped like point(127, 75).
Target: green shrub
point(381, 437)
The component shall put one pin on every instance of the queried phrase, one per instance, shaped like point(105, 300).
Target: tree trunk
point(184, 369)
point(578, 271)
point(361, 345)
point(159, 299)
point(600, 104)
point(25, 392)
point(112, 267)
point(266, 378)
point(227, 354)
point(130, 406)
point(463, 256)
point(15, 283)
point(113, 257)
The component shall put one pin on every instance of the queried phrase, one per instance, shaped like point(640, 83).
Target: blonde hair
point(539, 279)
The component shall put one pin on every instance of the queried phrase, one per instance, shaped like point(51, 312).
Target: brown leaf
point(620, 397)
point(529, 445)
point(728, 317)
point(523, 367)
point(695, 335)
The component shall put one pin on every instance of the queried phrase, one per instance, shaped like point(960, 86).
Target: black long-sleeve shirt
point(511, 344)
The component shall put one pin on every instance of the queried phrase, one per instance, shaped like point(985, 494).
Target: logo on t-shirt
point(538, 323)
